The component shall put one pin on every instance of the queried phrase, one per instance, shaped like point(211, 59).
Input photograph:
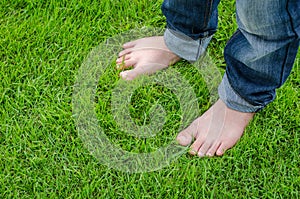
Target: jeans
point(259, 56)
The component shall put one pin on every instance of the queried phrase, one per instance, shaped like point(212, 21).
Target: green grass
point(42, 46)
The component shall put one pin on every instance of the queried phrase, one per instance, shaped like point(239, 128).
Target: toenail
point(209, 155)
point(182, 138)
point(124, 75)
point(200, 154)
point(193, 152)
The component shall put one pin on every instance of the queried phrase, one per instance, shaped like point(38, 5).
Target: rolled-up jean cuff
point(184, 46)
point(234, 100)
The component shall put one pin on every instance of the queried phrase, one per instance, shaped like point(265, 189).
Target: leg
point(259, 58)
point(190, 25)
point(260, 55)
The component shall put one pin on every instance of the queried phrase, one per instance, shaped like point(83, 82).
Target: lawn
point(43, 45)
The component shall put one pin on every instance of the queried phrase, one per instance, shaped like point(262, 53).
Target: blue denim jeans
point(259, 56)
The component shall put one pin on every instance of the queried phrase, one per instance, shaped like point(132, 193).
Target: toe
point(203, 149)
point(184, 138)
point(129, 44)
point(126, 75)
point(123, 58)
point(124, 52)
point(126, 64)
point(212, 150)
point(196, 146)
point(221, 150)
point(130, 74)
point(140, 69)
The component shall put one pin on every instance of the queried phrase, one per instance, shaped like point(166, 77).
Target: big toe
point(128, 75)
point(141, 69)
point(132, 74)
point(184, 138)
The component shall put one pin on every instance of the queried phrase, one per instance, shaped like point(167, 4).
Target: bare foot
point(146, 55)
point(217, 130)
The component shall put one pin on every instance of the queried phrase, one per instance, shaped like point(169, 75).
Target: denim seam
point(198, 50)
point(283, 65)
point(208, 13)
point(290, 16)
point(233, 36)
